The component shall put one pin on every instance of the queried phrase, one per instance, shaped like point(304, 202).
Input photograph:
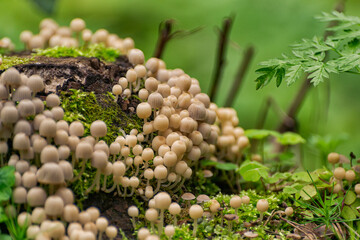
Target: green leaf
point(280, 74)
point(7, 180)
point(290, 138)
point(259, 133)
point(307, 192)
point(226, 166)
point(293, 74)
point(5, 237)
point(304, 177)
point(295, 188)
point(348, 214)
point(208, 163)
point(350, 198)
point(277, 177)
point(253, 171)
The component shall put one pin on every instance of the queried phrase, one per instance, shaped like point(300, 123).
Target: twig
point(298, 228)
point(165, 29)
point(306, 86)
point(220, 59)
point(166, 34)
point(239, 79)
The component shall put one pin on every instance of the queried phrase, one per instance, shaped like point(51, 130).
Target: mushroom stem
point(132, 192)
point(133, 222)
point(125, 195)
point(73, 161)
point(180, 185)
point(222, 219)
point(100, 236)
point(104, 183)
point(137, 170)
point(195, 228)
point(152, 227)
point(175, 220)
point(230, 226)
point(138, 81)
point(118, 190)
point(178, 178)
point(261, 216)
point(122, 132)
point(157, 186)
point(111, 189)
point(2, 160)
point(83, 165)
point(95, 182)
point(161, 223)
point(116, 98)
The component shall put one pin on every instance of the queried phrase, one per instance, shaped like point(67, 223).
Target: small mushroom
point(230, 218)
point(195, 212)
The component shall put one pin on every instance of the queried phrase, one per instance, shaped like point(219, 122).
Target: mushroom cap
point(160, 172)
point(169, 230)
point(21, 142)
point(161, 122)
point(71, 213)
point(101, 224)
point(235, 202)
point(133, 211)
point(174, 208)
point(94, 213)
point(98, 129)
point(36, 197)
point(188, 196)
point(155, 100)
point(76, 128)
point(54, 206)
point(339, 173)
point(26, 108)
point(52, 100)
point(231, 217)
point(99, 159)
point(77, 25)
point(136, 56)
point(50, 173)
point(119, 168)
point(9, 114)
point(21, 93)
point(84, 150)
point(333, 157)
point(196, 211)
point(66, 195)
point(143, 110)
point(250, 234)
point(35, 83)
point(262, 205)
point(207, 173)
point(289, 211)
point(49, 154)
point(202, 198)
point(162, 200)
point(48, 128)
point(245, 199)
point(19, 195)
point(151, 214)
point(11, 77)
point(67, 169)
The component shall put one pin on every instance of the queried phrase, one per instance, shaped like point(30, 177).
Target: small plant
point(310, 56)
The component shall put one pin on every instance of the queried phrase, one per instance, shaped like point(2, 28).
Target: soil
point(114, 208)
point(88, 74)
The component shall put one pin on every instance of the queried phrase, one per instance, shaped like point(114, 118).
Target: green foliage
point(325, 210)
point(287, 138)
point(7, 180)
point(86, 107)
point(252, 171)
point(9, 61)
point(219, 165)
point(311, 55)
point(15, 231)
point(94, 50)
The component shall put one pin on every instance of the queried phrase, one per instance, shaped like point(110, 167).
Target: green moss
point(87, 107)
point(9, 61)
point(95, 50)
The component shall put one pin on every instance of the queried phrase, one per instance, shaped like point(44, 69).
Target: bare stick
point(164, 36)
point(239, 79)
point(220, 59)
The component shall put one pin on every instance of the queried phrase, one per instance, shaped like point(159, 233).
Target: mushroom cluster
point(6, 43)
point(340, 173)
point(75, 35)
point(39, 144)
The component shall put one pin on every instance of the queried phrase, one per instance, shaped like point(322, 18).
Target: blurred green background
point(270, 26)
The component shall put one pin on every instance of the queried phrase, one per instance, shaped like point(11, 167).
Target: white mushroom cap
point(98, 129)
point(162, 200)
point(54, 206)
point(196, 211)
point(136, 56)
